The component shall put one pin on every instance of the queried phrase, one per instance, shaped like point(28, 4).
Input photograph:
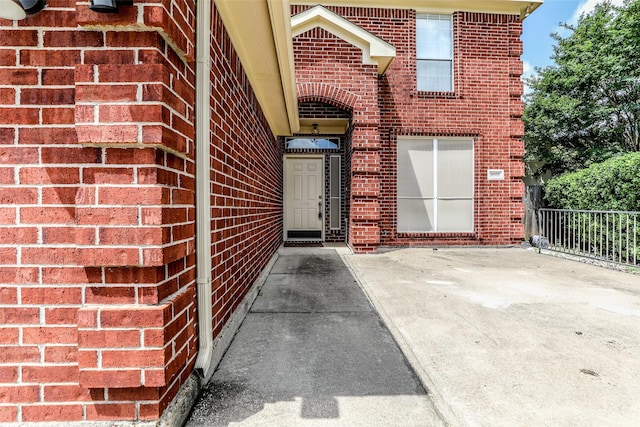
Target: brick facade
point(98, 302)
point(486, 105)
point(97, 225)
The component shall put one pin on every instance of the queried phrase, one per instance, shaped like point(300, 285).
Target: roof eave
point(266, 56)
point(512, 7)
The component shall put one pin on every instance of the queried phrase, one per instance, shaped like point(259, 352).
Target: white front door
point(304, 204)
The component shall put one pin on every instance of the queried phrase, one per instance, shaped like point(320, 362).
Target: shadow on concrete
point(312, 348)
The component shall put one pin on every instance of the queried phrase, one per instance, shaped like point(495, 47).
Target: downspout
point(203, 365)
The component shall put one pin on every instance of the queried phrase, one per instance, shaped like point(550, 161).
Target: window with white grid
point(435, 185)
point(434, 53)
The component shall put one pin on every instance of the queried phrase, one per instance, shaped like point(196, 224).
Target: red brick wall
point(97, 167)
point(97, 232)
point(330, 70)
point(246, 179)
point(486, 106)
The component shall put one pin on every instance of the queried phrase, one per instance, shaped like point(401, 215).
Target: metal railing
point(611, 236)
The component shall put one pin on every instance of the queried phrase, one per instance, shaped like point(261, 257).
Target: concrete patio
point(509, 337)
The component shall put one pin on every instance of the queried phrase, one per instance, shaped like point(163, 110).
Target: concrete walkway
point(312, 351)
point(498, 337)
point(509, 337)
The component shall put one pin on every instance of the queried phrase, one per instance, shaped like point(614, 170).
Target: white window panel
point(416, 179)
point(416, 215)
point(435, 185)
point(455, 168)
point(455, 215)
point(434, 76)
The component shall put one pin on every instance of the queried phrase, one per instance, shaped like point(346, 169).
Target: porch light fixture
point(19, 9)
point(108, 6)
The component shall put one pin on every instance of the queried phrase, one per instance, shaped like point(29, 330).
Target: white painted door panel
point(304, 198)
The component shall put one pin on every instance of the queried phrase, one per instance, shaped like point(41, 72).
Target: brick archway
point(332, 95)
point(364, 162)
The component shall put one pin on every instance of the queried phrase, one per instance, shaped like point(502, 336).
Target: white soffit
point(514, 7)
point(375, 51)
point(324, 126)
point(280, 11)
point(266, 58)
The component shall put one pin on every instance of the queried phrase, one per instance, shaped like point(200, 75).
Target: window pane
point(313, 143)
point(415, 168)
point(335, 176)
point(335, 214)
point(435, 76)
point(455, 215)
point(418, 200)
point(335, 192)
point(415, 215)
point(455, 168)
point(434, 37)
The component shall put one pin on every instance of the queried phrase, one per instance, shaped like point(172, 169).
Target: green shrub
point(613, 185)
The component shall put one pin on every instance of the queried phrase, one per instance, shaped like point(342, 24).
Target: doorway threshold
point(303, 243)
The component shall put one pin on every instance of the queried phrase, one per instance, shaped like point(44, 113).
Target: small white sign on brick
point(495, 174)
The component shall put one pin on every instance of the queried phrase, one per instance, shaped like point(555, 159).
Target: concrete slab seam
point(442, 407)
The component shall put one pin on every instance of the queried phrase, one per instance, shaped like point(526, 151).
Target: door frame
point(286, 158)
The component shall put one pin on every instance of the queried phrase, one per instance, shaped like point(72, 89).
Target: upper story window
point(434, 52)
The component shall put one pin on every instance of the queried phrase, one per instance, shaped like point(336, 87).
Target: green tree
point(586, 107)
point(612, 185)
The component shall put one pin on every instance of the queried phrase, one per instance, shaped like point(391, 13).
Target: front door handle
point(320, 207)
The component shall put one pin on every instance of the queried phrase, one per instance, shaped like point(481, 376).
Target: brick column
point(364, 215)
point(516, 132)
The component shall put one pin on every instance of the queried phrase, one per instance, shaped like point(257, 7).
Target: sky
point(538, 44)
